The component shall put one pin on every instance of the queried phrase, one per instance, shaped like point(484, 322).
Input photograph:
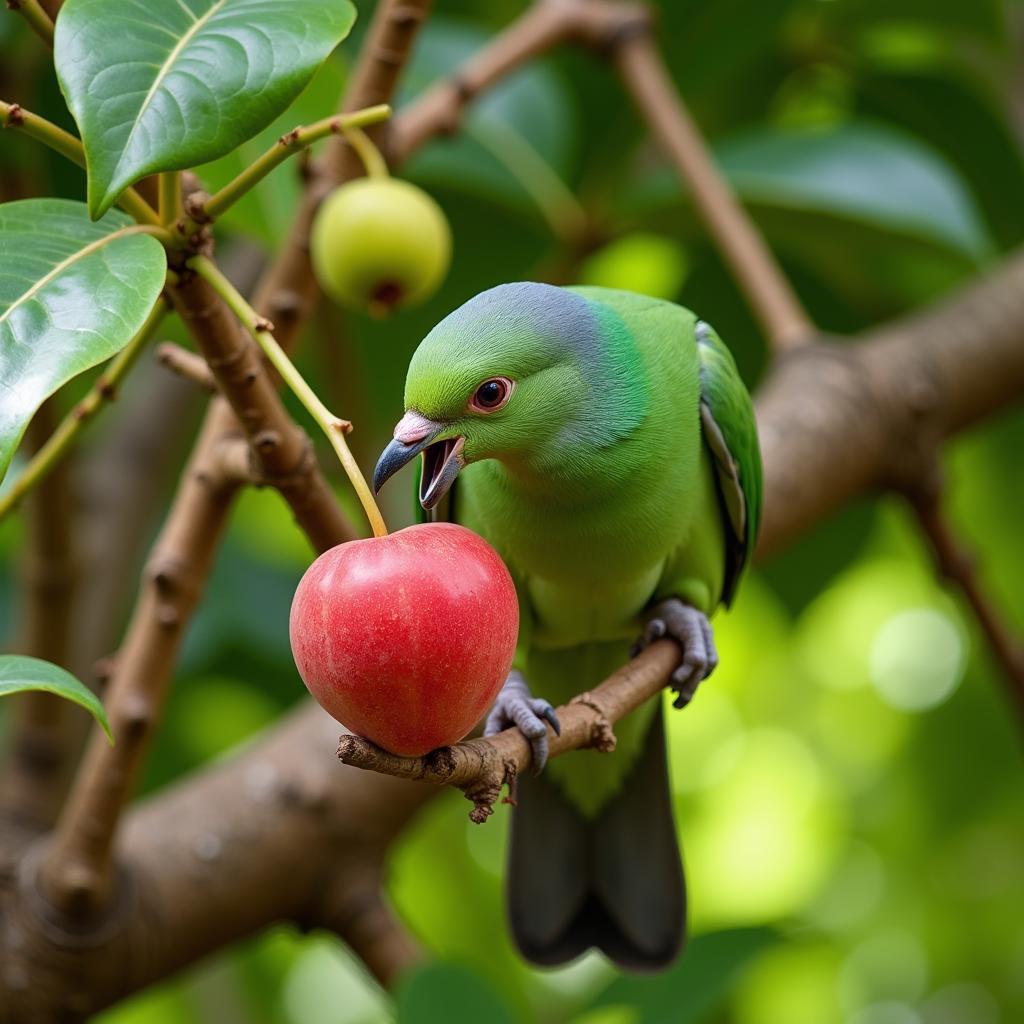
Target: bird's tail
point(614, 882)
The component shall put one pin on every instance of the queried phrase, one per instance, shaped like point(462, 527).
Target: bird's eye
point(492, 395)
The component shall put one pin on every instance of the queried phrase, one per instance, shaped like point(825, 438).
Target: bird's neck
point(586, 475)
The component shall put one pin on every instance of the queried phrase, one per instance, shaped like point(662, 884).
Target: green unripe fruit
point(378, 243)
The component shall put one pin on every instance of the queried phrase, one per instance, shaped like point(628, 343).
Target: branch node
point(15, 117)
point(106, 389)
point(261, 323)
point(266, 441)
point(195, 208)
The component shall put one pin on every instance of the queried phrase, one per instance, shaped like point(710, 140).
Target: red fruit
point(406, 639)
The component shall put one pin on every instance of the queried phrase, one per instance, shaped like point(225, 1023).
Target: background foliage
point(848, 786)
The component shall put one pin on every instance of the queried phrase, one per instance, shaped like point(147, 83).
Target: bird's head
point(525, 373)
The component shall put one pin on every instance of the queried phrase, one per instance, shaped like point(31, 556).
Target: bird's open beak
point(442, 460)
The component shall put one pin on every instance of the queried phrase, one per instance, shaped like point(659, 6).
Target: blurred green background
point(848, 786)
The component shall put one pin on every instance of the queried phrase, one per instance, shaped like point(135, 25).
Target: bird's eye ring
point(493, 394)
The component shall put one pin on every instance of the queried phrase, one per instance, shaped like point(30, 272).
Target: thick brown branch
point(481, 767)
point(838, 420)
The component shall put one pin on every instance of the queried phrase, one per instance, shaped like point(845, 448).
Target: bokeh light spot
point(917, 659)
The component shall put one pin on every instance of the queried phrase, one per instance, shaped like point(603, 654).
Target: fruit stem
point(333, 426)
point(60, 441)
point(291, 142)
point(374, 163)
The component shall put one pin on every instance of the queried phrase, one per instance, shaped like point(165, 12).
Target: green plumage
point(623, 470)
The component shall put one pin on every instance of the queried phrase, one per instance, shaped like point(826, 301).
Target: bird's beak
point(442, 460)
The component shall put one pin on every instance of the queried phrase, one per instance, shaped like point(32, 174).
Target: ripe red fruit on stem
point(406, 639)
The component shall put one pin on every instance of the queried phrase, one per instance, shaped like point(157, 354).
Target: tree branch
point(187, 365)
point(958, 567)
point(775, 304)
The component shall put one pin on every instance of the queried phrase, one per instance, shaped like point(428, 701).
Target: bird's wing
point(730, 433)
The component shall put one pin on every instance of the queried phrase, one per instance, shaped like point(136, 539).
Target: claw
point(549, 715)
point(516, 707)
point(692, 631)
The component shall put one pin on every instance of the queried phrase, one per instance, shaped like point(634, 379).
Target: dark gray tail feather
point(615, 882)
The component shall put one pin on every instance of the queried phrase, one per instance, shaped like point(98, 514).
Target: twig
point(481, 767)
point(438, 110)
point(186, 365)
point(333, 427)
point(291, 142)
point(12, 115)
point(38, 20)
point(104, 390)
point(959, 567)
point(772, 298)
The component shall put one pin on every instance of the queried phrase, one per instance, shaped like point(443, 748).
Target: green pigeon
point(605, 445)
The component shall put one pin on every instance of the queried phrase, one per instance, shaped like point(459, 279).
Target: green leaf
point(962, 115)
point(690, 991)
point(19, 673)
point(165, 86)
point(863, 171)
point(265, 213)
point(444, 993)
point(72, 293)
point(878, 213)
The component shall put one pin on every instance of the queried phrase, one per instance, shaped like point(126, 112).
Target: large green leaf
point(861, 170)
point(690, 991)
point(265, 212)
point(858, 187)
point(962, 114)
point(72, 293)
point(442, 993)
point(164, 86)
point(19, 673)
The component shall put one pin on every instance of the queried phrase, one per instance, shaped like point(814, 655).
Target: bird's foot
point(516, 706)
point(692, 631)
